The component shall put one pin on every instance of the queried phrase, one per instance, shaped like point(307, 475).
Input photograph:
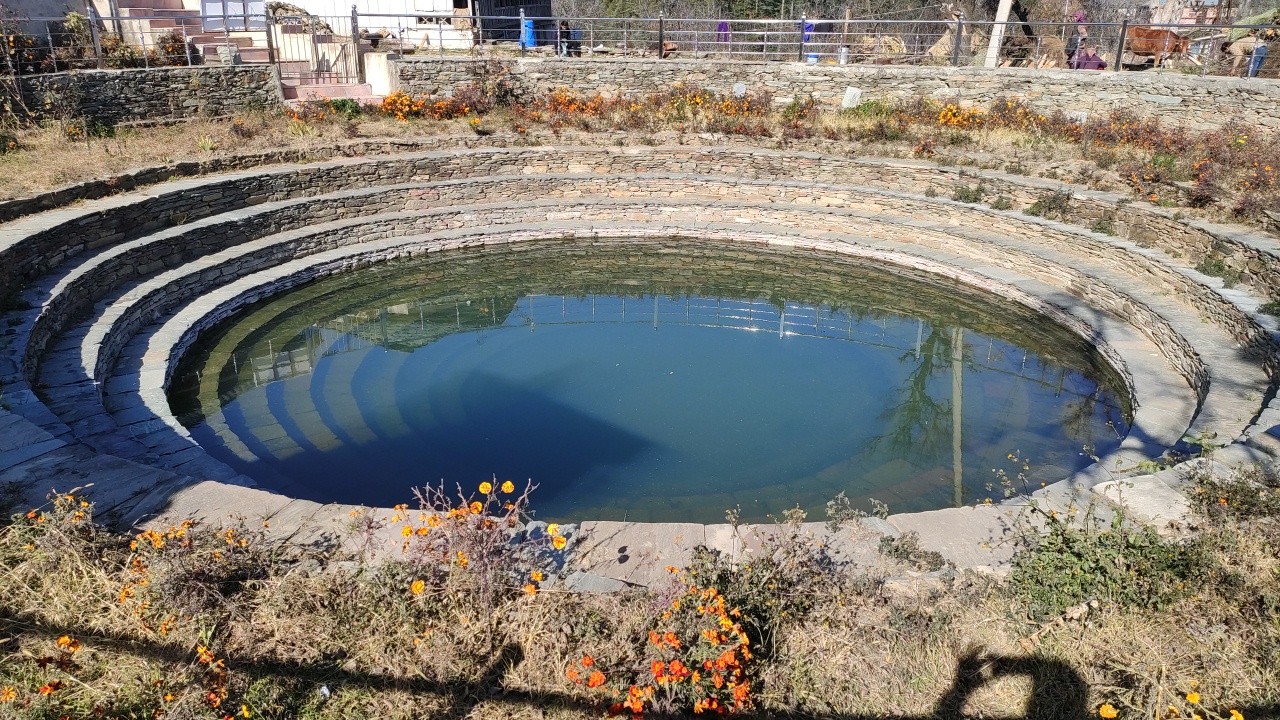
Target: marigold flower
point(417, 587)
point(595, 680)
point(69, 644)
point(536, 575)
point(655, 638)
point(51, 687)
point(559, 543)
point(434, 521)
point(1193, 697)
point(486, 487)
point(476, 507)
point(572, 674)
point(462, 558)
point(406, 531)
point(1107, 711)
point(508, 487)
point(657, 667)
point(530, 589)
point(553, 529)
point(244, 711)
point(1235, 715)
point(7, 694)
point(588, 661)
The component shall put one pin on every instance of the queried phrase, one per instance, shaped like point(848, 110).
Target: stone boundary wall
point(1190, 101)
point(116, 96)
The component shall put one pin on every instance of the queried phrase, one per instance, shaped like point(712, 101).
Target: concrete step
point(326, 90)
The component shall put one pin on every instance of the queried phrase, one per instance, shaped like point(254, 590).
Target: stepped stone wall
point(114, 96)
point(1191, 101)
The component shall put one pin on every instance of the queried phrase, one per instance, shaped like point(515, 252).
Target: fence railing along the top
point(332, 45)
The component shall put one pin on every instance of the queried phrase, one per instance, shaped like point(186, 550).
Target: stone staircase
point(119, 286)
point(158, 16)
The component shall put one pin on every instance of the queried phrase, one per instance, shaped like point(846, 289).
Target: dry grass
point(293, 632)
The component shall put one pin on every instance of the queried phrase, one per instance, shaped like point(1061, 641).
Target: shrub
point(1214, 265)
point(1001, 203)
point(1104, 225)
point(966, 194)
point(1271, 307)
point(1079, 558)
point(1053, 206)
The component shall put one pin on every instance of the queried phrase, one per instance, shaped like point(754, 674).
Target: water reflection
point(658, 380)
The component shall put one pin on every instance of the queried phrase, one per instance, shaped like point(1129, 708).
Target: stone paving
point(117, 296)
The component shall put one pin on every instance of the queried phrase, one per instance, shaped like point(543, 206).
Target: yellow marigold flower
point(476, 508)
point(508, 487)
point(1108, 711)
point(462, 559)
point(244, 711)
point(1235, 714)
point(417, 587)
point(486, 487)
point(1193, 697)
point(434, 521)
point(423, 530)
point(406, 531)
point(536, 575)
point(559, 543)
point(553, 529)
point(7, 694)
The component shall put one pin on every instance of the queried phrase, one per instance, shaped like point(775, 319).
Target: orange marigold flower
point(434, 521)
point(655, 638)
point(671, 639)
point(595, 680)
point(476, 507)
point(406, 531)
point(417, 587)
point(7, 694)
point(588, 661)
point(559, 543)
point(1108, 711)
point(51, 687)
point(530, 589)
point(486, 487)
point(508, 487)
point(536, 575)
point(572, 674)
point(69, 644)
point(657, 667)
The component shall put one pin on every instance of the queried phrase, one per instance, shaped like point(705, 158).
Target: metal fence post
point(355, 46)
point(662, 52)
point(1124, 30)
point(956, 43)
point(97, 39)
point(520, 32)
point(271, 41)
point(186, 45)
point(800, 55)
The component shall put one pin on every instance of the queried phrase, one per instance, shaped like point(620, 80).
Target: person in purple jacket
point(1087, 59)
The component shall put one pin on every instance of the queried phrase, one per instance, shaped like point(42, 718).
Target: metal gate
point(315, 49)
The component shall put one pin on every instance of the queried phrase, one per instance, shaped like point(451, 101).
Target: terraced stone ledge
point(122, 285)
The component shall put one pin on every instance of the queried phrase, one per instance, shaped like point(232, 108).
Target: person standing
point(1081, 35)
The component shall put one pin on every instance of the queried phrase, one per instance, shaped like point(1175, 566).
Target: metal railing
point(314, 46)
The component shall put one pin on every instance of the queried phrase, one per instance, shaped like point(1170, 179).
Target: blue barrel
point(526, 35)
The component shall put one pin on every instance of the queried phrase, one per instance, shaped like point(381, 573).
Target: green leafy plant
point(1080, 557)
point(1052, 206)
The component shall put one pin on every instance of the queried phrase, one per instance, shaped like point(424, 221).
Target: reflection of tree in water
point(917, 423)
point(1077, 419)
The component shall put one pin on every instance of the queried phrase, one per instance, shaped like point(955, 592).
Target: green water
point(656, 380)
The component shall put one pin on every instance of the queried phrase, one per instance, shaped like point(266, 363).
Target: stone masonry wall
point(1187, 100)
point(114, 96)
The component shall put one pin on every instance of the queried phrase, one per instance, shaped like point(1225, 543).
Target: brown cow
point(1155, 43)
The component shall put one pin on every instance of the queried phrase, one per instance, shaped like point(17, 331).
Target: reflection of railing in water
point(397, 326)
